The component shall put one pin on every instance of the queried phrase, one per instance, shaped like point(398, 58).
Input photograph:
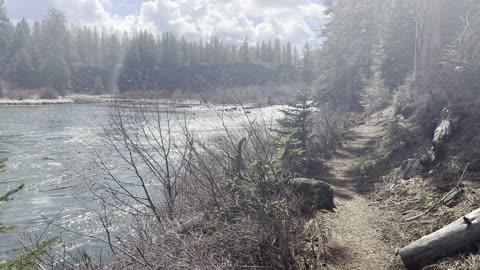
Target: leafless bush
point(20, 94)
point(195, 203)
point(48, 93)
point(330, 128)
point(261, 95)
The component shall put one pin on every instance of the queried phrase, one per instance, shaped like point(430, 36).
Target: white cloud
point(229, 19)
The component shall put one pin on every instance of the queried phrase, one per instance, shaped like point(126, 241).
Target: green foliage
point(403, 95)
point(57, 70)
point(369, 50)
point(430, 199)
point(42, 54)
point(307, 64)
point(29, 261)
point(294, 146)
point(366, 164)
point(21, 68)
point(3, 165)
point(396, 136)
point(7, 195)
point(376, 95)
point(5, 38)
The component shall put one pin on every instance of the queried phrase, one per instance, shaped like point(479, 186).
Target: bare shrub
point(194, 203)
point(261, 95)
point(21, 94)
point(330, 128)
point(48, 93)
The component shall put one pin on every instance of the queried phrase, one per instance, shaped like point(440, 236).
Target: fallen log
point(458, 236)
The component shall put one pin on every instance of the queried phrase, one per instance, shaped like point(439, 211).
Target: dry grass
point(228, 208)
point(401, 199)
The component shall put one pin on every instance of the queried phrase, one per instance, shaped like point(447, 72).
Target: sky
point(232, 20)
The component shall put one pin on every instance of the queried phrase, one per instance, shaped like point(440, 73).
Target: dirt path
point(356, 240)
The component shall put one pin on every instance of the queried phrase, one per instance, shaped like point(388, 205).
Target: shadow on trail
point(344, 173)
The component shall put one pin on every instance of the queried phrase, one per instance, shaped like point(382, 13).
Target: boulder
point(316, 194)
point(449, 119)
point(410, 168)
point(409, 110)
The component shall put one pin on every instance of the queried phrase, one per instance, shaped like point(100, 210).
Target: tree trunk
point(427, 45)
point(456, 237)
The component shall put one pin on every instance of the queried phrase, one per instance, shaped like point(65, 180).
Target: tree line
point(46, 52)
point(374, 48)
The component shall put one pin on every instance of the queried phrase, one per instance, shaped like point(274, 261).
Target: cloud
point(233, 19)
point(229, 19)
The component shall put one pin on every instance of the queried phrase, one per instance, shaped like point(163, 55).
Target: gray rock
point(410, 168)
point(449, 119)
point(316, 194)
point(409, 110)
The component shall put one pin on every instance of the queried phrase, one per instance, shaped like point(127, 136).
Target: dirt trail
point(356, 240)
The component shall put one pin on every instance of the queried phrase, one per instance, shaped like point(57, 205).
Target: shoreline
point(110, 99)
point(35, 102)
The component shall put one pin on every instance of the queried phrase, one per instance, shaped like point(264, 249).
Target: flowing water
point(47, 150)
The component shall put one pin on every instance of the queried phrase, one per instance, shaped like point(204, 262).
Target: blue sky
point(230, 19)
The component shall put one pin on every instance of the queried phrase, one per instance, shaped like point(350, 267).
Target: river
point(47, 149)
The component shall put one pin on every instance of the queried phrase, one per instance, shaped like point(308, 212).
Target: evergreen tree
point(344, 61)
point(29, 260)
point(307, 64)
point(245, 51)
point(288, 54)
point(22, 69)
point(57, 71)
point(294, 146)
point(396, 41)
point(277, 52)
point(295, 56)
point(98, 86)
point(5, 39)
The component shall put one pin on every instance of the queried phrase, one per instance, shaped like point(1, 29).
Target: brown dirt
point(356, 226)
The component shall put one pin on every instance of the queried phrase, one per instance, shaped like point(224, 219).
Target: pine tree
point(277, 52)
point(5, 39)
point(30, 259)
point(245, 51)
point(296, 135)
point(57, 70)
point(98, 86)
point(295, 56)
point(288, 54)
point(21, 69)
point(307, 64)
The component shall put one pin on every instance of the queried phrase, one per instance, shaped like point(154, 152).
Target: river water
point(47, 150)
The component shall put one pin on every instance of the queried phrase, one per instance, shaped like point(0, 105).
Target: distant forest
point(50, 53)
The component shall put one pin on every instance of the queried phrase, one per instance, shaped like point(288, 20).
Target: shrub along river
point(47, 148)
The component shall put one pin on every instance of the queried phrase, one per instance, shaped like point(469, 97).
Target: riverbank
point(85, 99)
point(81, 98)
point(110, 99)
point(66, 100)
